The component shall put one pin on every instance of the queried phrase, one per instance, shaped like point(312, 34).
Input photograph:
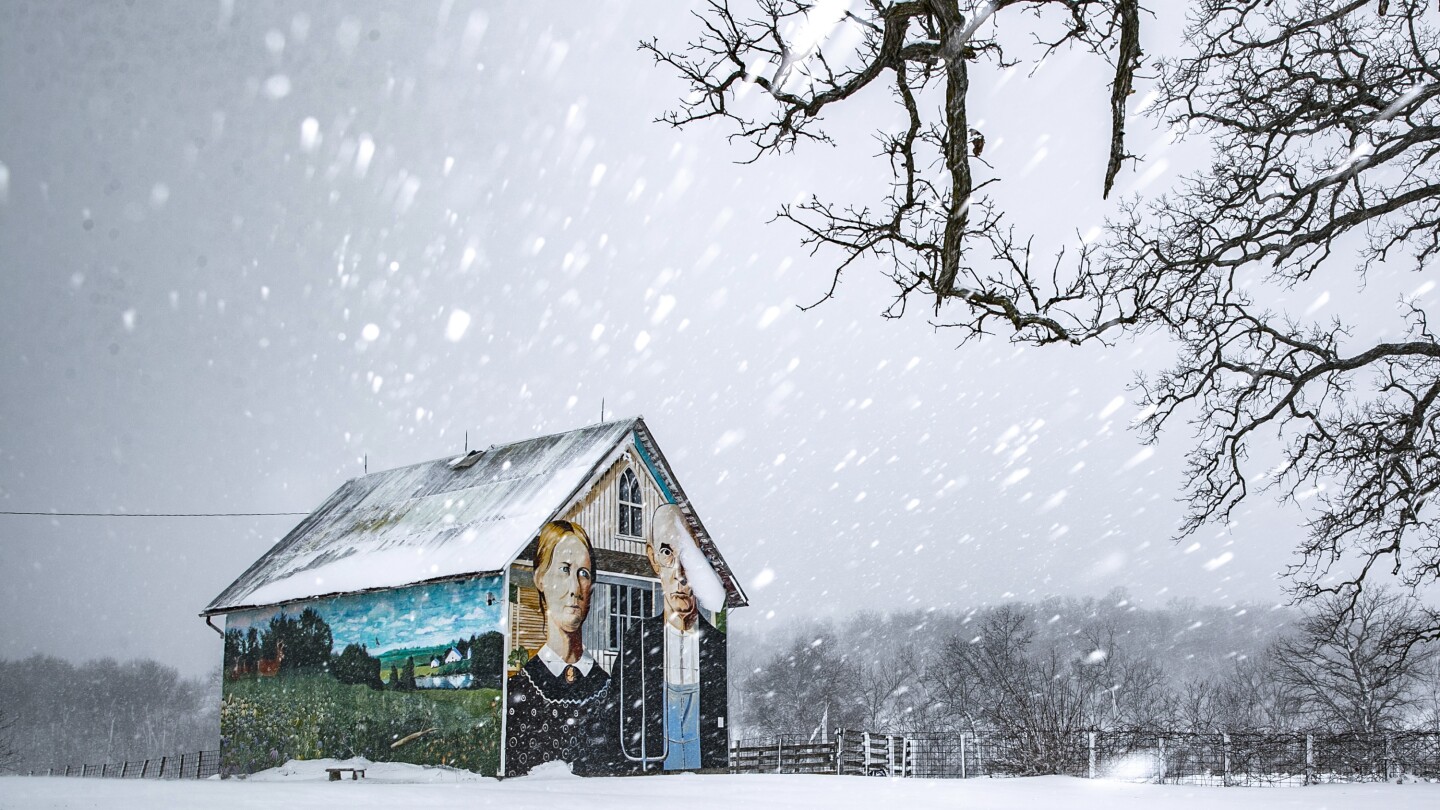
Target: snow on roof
point(427, 521)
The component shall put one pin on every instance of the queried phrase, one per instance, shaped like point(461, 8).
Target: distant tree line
point(60, 713)
point(1049, 669)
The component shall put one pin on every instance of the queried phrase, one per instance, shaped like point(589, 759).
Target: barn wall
point(351, 675)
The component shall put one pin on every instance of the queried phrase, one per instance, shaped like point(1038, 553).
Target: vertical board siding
point(527, 621)
point(597, 511)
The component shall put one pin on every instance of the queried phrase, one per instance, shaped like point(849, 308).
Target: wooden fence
point(783, 757)
point(851, 752)
point(865, 754)
point(197, 765)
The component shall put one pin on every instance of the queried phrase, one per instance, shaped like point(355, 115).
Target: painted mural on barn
point(630, 674)
point(405, 675)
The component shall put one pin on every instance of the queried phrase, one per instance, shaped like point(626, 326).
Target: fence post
point(67, 770)
point(1225, 747)
point(839, 751)
point(200, 764)
point(890, 753)
point(1309, 759)
point(1164, 762)
point(1389, 758)
point(1092, 754)
point(962, 755)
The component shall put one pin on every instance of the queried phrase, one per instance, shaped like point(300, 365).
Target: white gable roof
point(442, 519)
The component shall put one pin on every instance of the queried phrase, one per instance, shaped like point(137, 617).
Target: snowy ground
point(304, 785)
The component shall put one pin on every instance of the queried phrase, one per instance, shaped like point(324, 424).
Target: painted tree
point(313, 643)
point(250, 650)
point(234, 650)
point(407, 675)
point(356, 665)
point(1323, 119)
point(487, 660)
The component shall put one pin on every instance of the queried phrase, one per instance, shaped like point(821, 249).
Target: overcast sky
point(235, 237)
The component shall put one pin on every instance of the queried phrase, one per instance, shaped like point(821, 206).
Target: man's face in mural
point(567, 583)
point(665, 551)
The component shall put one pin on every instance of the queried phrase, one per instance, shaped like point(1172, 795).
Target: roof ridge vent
point(466, 461)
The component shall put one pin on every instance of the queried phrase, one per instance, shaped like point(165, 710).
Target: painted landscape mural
point(407, 675)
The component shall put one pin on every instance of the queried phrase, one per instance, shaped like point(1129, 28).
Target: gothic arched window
point(631, 503)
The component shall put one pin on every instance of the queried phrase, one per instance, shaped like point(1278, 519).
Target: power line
point(155, 514)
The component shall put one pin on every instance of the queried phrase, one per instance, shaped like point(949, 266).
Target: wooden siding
point(527, 623)
point(598, 510)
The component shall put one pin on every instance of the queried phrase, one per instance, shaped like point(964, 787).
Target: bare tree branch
point(940, 235)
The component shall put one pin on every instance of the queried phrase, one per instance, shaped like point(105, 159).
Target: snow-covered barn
point(561, 592)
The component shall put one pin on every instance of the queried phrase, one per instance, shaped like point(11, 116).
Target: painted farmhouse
point(551, 599)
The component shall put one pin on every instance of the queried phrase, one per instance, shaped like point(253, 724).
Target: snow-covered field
point(304, 785)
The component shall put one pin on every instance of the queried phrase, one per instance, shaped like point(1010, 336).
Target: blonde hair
point(550, 536)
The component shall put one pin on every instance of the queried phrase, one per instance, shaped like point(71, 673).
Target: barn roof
point(447, 518)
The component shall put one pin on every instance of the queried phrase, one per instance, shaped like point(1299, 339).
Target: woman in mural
point(559, 701)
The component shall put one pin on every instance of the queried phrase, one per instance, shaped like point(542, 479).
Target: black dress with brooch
point(560, 717)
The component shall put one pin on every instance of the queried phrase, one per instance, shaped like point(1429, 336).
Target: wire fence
point(1145, 755)
point(190, 765)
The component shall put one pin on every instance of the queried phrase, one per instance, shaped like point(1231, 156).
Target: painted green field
point(265, 721)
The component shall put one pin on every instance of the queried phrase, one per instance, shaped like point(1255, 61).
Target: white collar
point(556, 664)
point(674, 631)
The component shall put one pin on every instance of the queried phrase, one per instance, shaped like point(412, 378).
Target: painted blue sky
point(410, 617)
